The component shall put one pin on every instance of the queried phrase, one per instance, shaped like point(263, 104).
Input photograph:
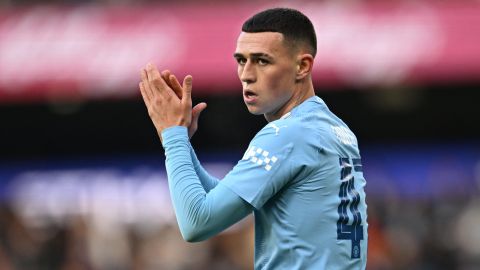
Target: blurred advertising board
point(89, 52)
point(409, 171)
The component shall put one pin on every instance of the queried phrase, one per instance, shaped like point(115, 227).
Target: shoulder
point(281, 131)
point(290, 134)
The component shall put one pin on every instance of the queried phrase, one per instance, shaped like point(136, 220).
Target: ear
point(304, 66)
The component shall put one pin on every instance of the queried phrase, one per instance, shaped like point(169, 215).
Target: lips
point(249, 96)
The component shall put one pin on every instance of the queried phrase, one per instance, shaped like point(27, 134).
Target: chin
point(254, 110)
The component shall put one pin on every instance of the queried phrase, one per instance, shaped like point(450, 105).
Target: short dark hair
point(294, 25)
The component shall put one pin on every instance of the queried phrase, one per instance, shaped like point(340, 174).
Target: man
point(301, 174)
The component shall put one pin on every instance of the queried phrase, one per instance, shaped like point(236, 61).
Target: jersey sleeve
point(200, 214)
point(208, 181)
point(267, 165)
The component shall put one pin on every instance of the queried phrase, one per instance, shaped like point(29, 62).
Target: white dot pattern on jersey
point(259, 156)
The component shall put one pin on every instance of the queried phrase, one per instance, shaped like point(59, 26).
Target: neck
point(303, 91)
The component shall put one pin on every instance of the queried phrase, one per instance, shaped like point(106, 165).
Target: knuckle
point(154, 79)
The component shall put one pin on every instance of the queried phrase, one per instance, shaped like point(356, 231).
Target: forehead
point(264, 42)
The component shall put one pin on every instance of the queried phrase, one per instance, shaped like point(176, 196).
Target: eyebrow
point(253, 55)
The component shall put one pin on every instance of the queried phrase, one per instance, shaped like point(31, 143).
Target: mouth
point(249, 94)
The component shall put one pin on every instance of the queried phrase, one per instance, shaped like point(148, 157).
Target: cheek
point(281, 81)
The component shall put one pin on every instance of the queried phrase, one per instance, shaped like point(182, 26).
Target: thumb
point(187, 88)
point(196, 111)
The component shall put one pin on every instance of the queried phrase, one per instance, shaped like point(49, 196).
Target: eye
point(241, 61)
point(263, 62)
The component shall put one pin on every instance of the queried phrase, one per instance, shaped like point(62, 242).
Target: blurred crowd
point(424, 234)
point(81, 242)
point(416, 234)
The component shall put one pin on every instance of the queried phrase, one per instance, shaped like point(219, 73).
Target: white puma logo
point(277, 129)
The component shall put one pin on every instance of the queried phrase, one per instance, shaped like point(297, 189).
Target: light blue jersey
point(303, 175)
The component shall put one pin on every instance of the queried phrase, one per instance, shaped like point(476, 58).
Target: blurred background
point(82, 179)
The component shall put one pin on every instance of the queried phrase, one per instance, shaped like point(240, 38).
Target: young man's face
point(267, 69)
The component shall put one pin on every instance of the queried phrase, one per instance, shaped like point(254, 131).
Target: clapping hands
point(169, 103)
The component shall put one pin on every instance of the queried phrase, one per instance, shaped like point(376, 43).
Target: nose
point(247, 73)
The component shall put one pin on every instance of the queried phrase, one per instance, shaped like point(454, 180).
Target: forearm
point(208, 181)
point(199, 214)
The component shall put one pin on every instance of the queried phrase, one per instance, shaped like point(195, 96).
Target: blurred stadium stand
point(81, 168)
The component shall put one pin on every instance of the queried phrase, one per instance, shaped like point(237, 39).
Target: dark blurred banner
point(95, 52)
point(413, 172)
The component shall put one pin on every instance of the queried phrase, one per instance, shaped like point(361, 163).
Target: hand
point(165, 108)
point(172, 82)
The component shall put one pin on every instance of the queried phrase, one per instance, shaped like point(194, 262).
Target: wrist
point(172, 133)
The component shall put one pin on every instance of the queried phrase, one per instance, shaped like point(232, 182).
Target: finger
point(197, 110)
point(165, 74)
point(175, 85)
point(145, 96)
point(187, 89)
point(156, 82)
point(152, 72)
point(154, 77)
point(144, 76)
point(172, 83)
point(149, 89)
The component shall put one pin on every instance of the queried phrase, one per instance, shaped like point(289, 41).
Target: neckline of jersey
point(314, 98)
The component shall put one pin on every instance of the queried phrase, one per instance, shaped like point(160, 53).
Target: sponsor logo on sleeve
point(260, 157)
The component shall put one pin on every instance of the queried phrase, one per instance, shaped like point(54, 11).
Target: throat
point(288, 106)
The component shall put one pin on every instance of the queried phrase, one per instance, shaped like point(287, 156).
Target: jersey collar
point(304, 106)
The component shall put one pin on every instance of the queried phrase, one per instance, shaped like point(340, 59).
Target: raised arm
point(208, 181)
point(199, 214)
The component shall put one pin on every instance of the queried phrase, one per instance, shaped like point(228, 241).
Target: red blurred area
point(92, 52)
